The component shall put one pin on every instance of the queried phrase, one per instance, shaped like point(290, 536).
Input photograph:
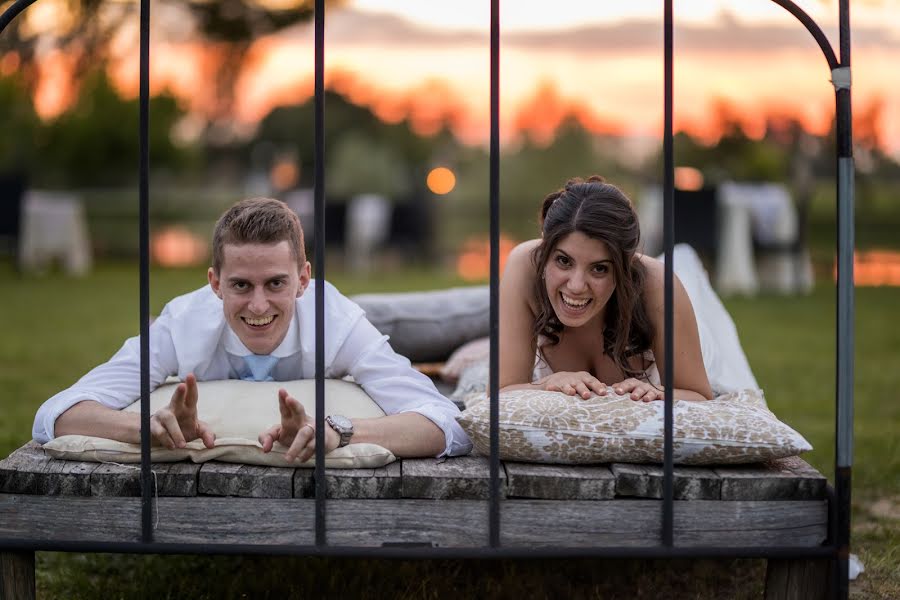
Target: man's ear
point(214, 281)
point(305, 275)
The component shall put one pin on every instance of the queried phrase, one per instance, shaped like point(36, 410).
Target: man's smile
point(259, 321)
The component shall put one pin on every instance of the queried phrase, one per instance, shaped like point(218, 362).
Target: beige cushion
point(238, 411)
point(476, 351)
point(551, 427)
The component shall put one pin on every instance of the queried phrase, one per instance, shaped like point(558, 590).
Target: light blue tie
point(260, 366)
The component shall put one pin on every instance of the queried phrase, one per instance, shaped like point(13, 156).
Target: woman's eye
point(601, 269)
point(562, 260)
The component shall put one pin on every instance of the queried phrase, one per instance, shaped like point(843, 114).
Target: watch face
point(342, 422)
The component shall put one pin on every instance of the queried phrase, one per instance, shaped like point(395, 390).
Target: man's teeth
point(259, 322)
point(575, 303)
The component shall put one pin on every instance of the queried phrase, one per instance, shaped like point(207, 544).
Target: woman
point(581, 310)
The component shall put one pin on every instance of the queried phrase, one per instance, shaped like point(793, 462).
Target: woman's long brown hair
point(600, 211)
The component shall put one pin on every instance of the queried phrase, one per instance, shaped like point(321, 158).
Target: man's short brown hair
point(258, 221)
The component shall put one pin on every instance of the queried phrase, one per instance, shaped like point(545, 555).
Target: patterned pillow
point(551, 427)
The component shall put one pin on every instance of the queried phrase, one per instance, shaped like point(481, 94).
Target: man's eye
point(239, 285)
point(277, 284)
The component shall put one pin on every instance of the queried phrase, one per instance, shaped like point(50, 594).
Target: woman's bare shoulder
point(520, 258)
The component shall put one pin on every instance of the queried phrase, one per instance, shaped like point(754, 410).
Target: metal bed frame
point(836, 547)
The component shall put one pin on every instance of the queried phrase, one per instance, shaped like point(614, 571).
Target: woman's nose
point(576, 282)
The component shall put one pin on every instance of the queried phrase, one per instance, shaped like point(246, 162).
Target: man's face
point(258, 284)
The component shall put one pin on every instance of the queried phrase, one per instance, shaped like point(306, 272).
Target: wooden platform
point(781, 503)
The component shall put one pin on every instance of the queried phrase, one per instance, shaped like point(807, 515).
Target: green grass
point(56, 328)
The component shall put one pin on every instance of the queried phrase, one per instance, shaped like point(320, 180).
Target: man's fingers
point(206, 434)
point(305, 436)
point(160, 434)
point(268, 437)
point(168, 420)
point(191, 393)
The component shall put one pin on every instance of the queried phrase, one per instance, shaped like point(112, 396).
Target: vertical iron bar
point(845, 310)
point(668, 244)
point(494, 384)
point(319, 200)
point(144, 291)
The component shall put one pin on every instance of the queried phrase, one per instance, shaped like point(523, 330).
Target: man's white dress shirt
point(192, 336)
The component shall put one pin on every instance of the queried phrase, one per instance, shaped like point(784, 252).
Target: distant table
point(748, 212)
point(54, 228)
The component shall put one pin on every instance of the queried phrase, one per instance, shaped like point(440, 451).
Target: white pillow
point(238, 411)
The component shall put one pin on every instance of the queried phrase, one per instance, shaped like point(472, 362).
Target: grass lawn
point(58, 328)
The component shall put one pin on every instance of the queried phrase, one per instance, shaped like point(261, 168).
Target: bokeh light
point(441, 180)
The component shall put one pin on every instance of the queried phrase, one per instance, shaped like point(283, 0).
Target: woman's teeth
point(259, 322)
point(573, 303)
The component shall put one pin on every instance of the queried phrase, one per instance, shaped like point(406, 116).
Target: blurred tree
point(87, 31)
point(20, 125)
point(96, 143)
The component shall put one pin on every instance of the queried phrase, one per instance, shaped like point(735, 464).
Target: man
point(256, 320)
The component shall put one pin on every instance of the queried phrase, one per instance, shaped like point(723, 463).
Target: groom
point(256, 320)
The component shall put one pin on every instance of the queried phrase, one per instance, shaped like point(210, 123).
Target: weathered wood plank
point(116, 480)
point(176, 479)
point(783, 479)
point(799, 579)
point(29, 470)
point(559, 482)
point(461, 523)
point(17, 575)
point(383, 482)
point(646, 481)
point(462, 477)
point(637, 523)
point(247, 481)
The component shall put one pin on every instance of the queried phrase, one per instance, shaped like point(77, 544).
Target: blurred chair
point(12, 191)
point(54, 227)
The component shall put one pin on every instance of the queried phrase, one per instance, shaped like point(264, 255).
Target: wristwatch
point(343, 426)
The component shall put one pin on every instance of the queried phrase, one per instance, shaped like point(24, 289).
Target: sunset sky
point(601, 60)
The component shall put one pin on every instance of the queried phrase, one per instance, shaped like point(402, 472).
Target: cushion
point(428, 326)
point(551, 427)
point(464, 356)
point(238, 411)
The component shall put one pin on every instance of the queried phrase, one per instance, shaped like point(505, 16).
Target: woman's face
point(579, 279)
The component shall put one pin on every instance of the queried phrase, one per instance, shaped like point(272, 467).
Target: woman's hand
point(639, 390)
point(580, 383)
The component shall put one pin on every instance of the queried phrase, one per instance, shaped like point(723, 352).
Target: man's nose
point(259, 302)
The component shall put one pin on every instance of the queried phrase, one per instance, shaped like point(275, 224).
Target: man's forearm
point(406, 434)
point(92, 418)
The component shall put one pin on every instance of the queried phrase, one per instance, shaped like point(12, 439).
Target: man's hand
point(296, 431)
point(579, 383)
point(176, 423)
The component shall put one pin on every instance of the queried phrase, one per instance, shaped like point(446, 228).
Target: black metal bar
point(319, 201)
point(843, 456)
point(423, 552)
point(493, 381)
point(668, 280)
point(13, 11)
point(144, 193)
point(813, 28)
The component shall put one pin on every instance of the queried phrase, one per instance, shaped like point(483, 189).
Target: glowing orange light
point(875, 268)
point(9, 63)
point(441, 180)
point(473, 263)
point(284, 175)
point(178, 247)
point(688, 179)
